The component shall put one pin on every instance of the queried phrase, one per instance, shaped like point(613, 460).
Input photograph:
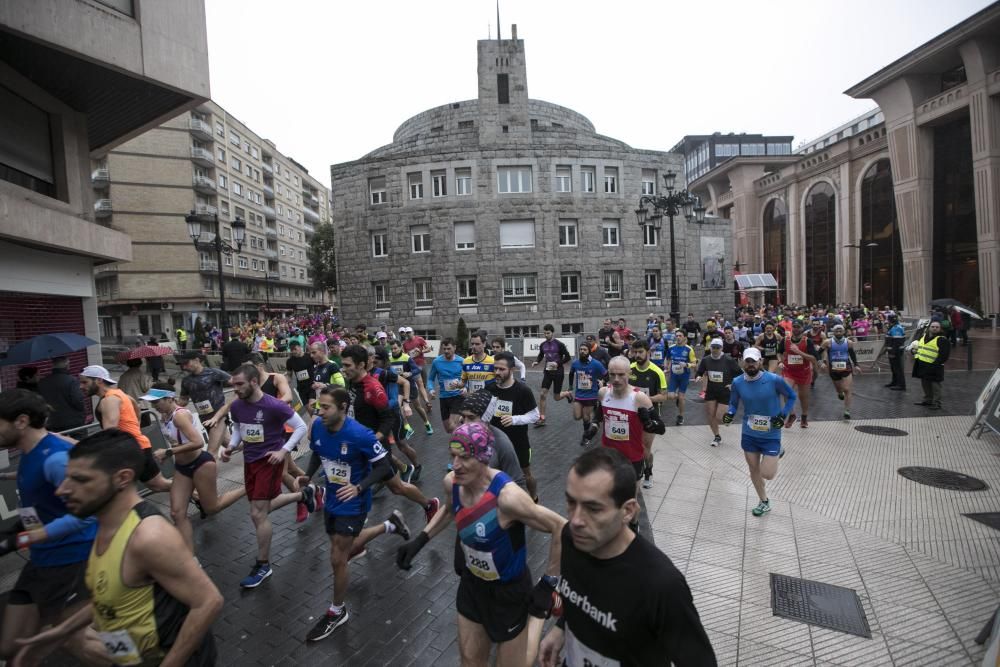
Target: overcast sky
point(329, 81)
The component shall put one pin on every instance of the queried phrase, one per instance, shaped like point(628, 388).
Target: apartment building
point(209, 162)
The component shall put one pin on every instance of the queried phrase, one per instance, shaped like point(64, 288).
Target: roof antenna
point(498, 20)
point(489, 31)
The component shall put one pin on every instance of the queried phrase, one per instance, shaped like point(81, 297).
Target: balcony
point(203, 184)
point(208, 266)
point(269, 213)
point(267, 168)
point(100, 178)
point(271, 232)
point(268, 190)
point(102, 208)
point(310, 215)
point(313, 201)
point(200, 129)
point(202, 157)
point(205, 209)
point(308, 229)
point(271, 254)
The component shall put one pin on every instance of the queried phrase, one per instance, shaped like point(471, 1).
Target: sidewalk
point(928, 578)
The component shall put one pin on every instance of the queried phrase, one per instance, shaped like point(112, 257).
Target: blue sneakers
point(258, 573)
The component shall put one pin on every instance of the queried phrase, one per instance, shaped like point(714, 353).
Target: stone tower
point(503, 91)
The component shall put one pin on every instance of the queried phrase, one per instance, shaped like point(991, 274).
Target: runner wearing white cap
point(720, 370)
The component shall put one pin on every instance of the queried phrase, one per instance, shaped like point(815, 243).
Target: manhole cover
point(881, 430)
point(816, 603)
point(943, 479)
point(991, 519)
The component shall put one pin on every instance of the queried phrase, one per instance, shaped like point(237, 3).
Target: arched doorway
point(956, 241)
point(776, 244)
point(882, 264)
point(821, 238)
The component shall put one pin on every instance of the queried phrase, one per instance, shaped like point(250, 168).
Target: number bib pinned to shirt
point(715, 376)
point(302, 376)
point(337, 472)
point(795, 360)
point(476, 385)
point(839, 365)
point(121, 647)
point(252, 434)
point(583, 381)
point(29, 517)
point(551, 366)
point(656, 355)
point(480, 563)
point(616, 428)
point(504, 408)
point(759, 423)
point(578, 654)
point(678, 369)
point(203, 407)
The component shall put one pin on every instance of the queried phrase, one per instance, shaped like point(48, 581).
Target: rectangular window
point(649, 181)
point(463, 181)
point(240, 213)
point(517, 234)
point(650, 235)
point(611, 180)
point(208, 284)
point(572, 328)
point(222, 181)
point(423, 294)
point(569, 287)
point(519, 288)
point(468, 292)
point(421, 238)
point(652, 283)
point(588, 175)
point(224, 207)
point(234, 139)
point(416, 181)
point(243, 262)
point(253, 264)
point(249, 170)
point(564, 178)
point(612, 285)
point(237, 189)
point(236, 164)
point(609, 233)
point(381, 293)
point(376, 189)
point(521, 331)
point(513, 179)
point(567, 233)
point(503, 89)
point(439, 183)
point(229, 260)
point(220, 129)
point(253, 152)
point(220, 154)
point(380, 247)
point(465, 235)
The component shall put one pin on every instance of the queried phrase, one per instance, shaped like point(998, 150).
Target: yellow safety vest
point(927, 351)
point(182, 335)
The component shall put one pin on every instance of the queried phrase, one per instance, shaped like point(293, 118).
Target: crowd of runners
point(112, 581)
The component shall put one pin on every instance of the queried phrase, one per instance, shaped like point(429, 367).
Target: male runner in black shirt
point(515, 409)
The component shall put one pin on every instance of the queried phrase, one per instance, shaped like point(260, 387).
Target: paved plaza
point(928, 578)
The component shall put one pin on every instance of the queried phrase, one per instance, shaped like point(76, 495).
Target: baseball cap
point(409, 329)
point(751, 353)
point(380, 334)
point(716, 342)
point(474, 439)
point(157, 394)
point(98, 373)
point(402, 329)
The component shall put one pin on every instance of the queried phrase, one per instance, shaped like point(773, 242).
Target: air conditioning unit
point(166, 306)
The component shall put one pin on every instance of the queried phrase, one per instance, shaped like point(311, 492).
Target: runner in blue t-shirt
point(585, 375)
point(763, 418)
point(445, 380)
point(51, 585)
point(353, 460)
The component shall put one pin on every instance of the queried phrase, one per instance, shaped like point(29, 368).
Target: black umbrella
point(958, 305)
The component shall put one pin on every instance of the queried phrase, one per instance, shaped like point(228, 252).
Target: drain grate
point(881, 430)
point(991, 519)
point(943, 479)
point(816, 603)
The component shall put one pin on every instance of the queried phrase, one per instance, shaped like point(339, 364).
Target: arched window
point(776, 244)
point(882, 264)
point(821, 238)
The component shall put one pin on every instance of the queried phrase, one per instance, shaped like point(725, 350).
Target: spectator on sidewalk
point(62, 392)
point(27, 378)
point(134, 382)
point(154, 364)
point(930, 351)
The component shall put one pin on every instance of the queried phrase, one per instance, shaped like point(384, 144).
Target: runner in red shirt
point(417, 347)
point(797, 361)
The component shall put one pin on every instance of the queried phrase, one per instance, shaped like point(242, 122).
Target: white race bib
point(504, 408)
point(578, 654)
point(252, 433)
point(29, 517)
point(302, 376)
point(644, 390)
point(656, 355)
point(795, 360)
point(616, 429)
point(583, 381)
point(839, 366)
point(121, 647)
point(453, 385)
point(691, 335)
point(677, 369)
point(476, 385)
point(759, 423)
point(203, 407)
point(337, 472)
point(480, 563)
point(715, 376)
point(551, 366)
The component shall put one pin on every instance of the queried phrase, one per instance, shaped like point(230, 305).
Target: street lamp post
point(267, 287)
point(194, 223)
point(651, 210)
point(871, 276)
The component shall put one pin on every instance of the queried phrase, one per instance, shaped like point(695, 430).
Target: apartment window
point(253, 152)
point(302, 274)
point(246, 147)
point(229, 260)
point(237, 188)
point(564, 178)
point(420, 236)
point(519, 288)
point(651, 281)
point(569, 287)
point(465, 235)
point(235, 139)
point(612, 285)
point(224, 208)
point(220, 154)
point(463, 181)
point(240, 213)
point(227, 233)
point(468, 292)
point(253, 264)
point(207, 284)
point(521, 331)
point(380, 246)
point(234, 287)
point(439, 183)
point(284, 270)
point(26, 156)
point(571, 328)
point(423, 293)
point(588, 176)
point(610, 233)
point(220, 129)
point(513, 179)
point(650, 235)
point(381, 291)
point(236, 164)
point(517, 234)
point(611, 180)
point(376, 188)
point(649, 181)
point(416, 182)
point(282, 251)
point(222, 181)
point(249, 170)
point(280, 209)
point(567, 233)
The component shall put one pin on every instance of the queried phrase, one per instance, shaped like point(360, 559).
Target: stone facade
point(515, 169)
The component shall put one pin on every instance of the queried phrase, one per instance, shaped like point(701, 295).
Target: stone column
point(846, 232)
point(795, 278)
